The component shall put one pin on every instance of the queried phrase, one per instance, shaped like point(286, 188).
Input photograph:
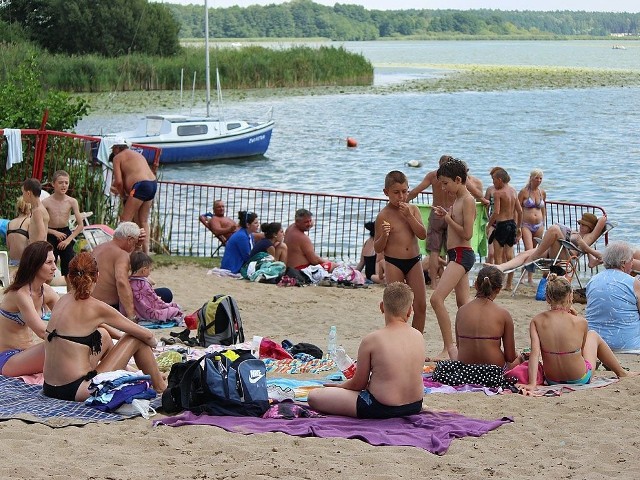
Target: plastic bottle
point(332, 342)
point(344, 362)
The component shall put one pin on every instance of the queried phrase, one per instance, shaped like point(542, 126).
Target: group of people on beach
point(94, 328)
point(388, 379)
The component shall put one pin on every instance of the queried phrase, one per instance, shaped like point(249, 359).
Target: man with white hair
point(136, 184)
point(113, 286)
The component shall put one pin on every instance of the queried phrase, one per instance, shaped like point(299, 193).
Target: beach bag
point(455, 373)
point(230, 382)
point(219, 322)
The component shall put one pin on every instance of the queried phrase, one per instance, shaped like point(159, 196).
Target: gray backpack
point(219, 322)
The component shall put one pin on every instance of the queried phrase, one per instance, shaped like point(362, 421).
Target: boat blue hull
point(248, 144)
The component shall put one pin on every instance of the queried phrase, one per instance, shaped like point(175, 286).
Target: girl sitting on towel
point(78, 346)
point(568, 348)
point(272, 243)
point(484, 330)
point(24, 304)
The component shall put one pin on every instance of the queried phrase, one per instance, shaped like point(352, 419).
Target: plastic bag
point(137, 407)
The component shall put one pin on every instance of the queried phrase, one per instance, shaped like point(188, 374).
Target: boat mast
point(207, 66)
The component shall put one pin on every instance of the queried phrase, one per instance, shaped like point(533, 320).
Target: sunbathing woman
point(77, 348)
point(569, 350)
point(482, 327)
point(534, 213)
point(18, 231)
point(590, 228)
point(23, 305)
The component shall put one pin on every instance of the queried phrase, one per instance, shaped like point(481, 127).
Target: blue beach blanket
point(153, 326)
point(26, 402)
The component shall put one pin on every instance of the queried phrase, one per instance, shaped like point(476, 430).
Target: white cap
point(119, 141)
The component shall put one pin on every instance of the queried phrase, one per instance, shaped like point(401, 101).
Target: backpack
point(219, 322)
point(231, 382)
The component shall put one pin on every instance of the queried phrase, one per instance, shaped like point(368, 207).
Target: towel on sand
point(26, 402)
point(432, 431)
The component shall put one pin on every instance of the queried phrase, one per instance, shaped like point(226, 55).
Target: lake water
point(587, 141)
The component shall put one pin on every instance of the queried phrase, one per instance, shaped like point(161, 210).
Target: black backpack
point(232, 382)
point(219, 322)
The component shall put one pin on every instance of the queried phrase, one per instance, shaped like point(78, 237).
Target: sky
point(541, 5)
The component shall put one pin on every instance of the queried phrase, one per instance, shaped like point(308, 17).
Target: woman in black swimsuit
point(78, 345)
point(484, 329)
point(18, 231)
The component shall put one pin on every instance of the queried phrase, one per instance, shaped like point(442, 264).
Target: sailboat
point(202, 139)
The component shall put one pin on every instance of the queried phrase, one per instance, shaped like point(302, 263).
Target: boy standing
point(398, 227)
point(388, 378)
point(31, 190)
point(437, 228)
point(506, 215)
point(460, 219)
point(59, 206)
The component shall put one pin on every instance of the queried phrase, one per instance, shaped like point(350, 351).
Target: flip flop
point(182, 335)
point(168, 340)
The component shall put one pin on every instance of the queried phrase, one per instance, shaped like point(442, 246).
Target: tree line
point(113, 28)
point(306, 19)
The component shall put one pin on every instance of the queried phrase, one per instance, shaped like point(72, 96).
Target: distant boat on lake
point(202, 139)
point(619, 47)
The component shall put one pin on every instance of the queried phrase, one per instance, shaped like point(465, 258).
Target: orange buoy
point(351, 142)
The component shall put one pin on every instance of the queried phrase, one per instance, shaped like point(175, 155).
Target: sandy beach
point(586, 434)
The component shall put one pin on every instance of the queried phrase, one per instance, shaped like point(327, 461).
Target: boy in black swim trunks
point(60, 206)
point(460, 219)
point(388, 378)
point(397, 229)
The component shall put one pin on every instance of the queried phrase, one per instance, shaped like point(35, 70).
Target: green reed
point(240, 68)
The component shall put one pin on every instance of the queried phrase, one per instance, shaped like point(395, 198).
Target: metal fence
point(339, 219)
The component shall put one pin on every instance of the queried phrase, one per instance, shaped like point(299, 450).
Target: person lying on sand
point(388, 378)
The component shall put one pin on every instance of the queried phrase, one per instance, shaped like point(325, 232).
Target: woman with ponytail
point(78, 345)
point(484, 330)
point(569, 350)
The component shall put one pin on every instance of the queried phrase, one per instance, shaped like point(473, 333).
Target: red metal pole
point(41, 147)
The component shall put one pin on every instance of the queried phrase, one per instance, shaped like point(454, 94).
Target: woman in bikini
point(18, 231)
point(24, 304)
point(532, 199)
point(560, 336)
point(78, 346)
point(484, 330)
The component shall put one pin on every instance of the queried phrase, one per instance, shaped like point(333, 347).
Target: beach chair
point(204, 220)
point(94, 234)
point(4, 269)
point(566, 260)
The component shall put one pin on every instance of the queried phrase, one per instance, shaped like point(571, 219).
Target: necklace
point(561, 308)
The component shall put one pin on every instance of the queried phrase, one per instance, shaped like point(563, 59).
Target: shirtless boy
point(60, 206)
point(398, 228)
point(136, 184)
point(506, 215)
point(388, 378)
point(437, 228)
point(31, 190)
point(459, 219)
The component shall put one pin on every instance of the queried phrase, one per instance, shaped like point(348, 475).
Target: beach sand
point(587, 434)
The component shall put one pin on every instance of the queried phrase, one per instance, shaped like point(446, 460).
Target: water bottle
point(332, 342)
point(345, 363)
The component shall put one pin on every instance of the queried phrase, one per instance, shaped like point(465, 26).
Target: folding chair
point(204, 220)
point(4, 269)
point(569, 263)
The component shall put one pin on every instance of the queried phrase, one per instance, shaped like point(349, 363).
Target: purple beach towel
point(432, 431)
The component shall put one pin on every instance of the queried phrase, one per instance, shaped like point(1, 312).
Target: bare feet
point(625, 373)
point(443, 355)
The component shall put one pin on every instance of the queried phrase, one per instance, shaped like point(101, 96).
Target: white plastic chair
point(4, 269)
